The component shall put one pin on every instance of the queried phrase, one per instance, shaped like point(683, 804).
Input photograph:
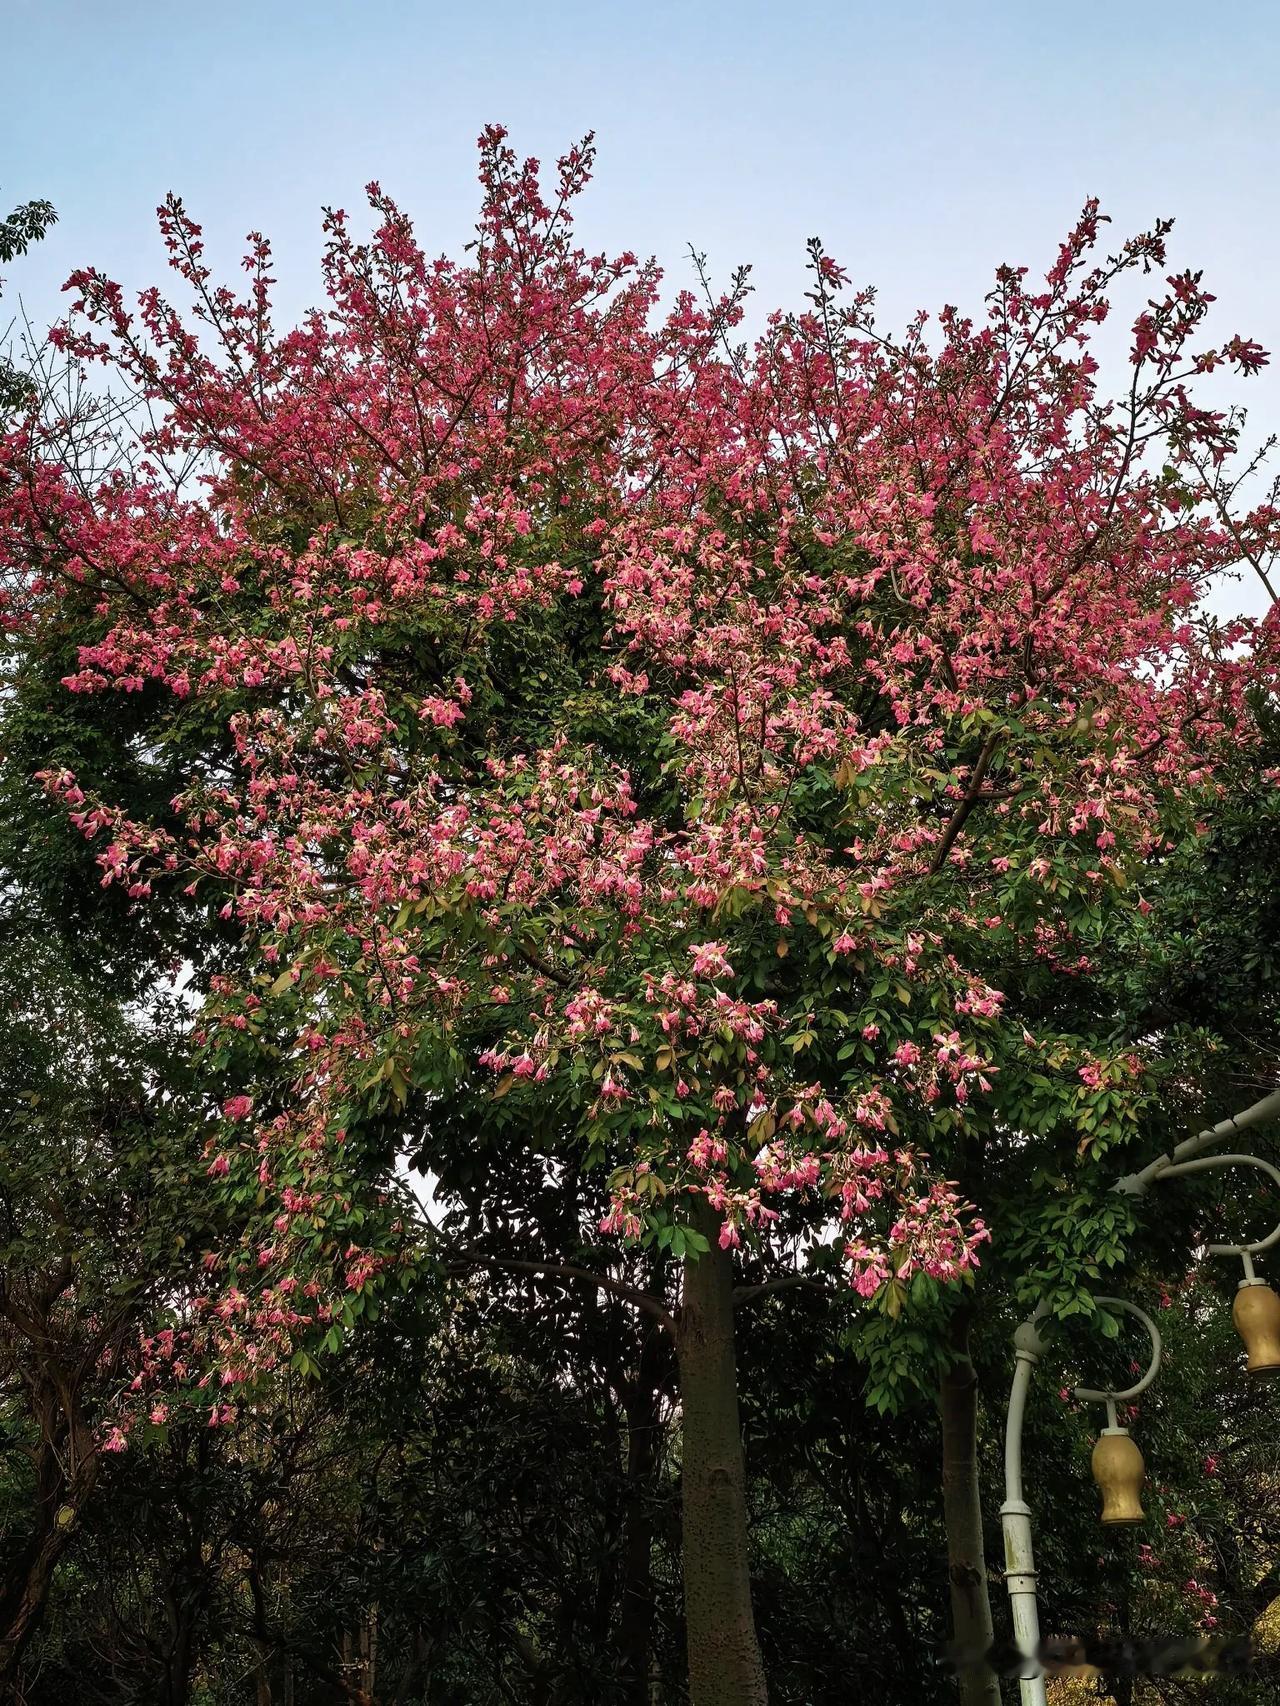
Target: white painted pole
point(1136, 1184)
point(1015, 1520)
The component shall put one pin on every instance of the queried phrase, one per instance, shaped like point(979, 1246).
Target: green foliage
point(24, 226)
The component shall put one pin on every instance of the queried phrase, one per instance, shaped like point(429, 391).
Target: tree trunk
point(369, 1651)
point(972, 1630)
point(725, 1667)
point(180, 1656)
point(643, 1403)
point(262, 1682)
point(186, 1597)
point(261, 1638)
point(67, 1471)
point(418, 1666)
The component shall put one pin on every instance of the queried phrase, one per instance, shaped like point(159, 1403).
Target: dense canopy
point(733, 783)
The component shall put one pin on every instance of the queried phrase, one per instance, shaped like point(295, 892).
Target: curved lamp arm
point(1201, 1165)
point(1112, 1398)
point(1137, 1184)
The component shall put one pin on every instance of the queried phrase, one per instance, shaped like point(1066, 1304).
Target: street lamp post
point(1015, 1512)
point(1118, 1465)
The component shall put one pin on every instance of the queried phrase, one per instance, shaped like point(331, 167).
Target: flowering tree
point(669, 750)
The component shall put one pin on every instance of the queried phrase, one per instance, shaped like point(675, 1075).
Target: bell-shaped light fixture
point(1119, 1472)
point(1256, 1314)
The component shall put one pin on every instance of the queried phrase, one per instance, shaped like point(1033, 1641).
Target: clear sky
point(923, 140)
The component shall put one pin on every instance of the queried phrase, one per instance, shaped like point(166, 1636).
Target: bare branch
point(460, 1262)
point(749, 1293)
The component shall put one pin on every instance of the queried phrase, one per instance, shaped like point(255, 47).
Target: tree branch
point(970, 800)
point(569, 1271)
point(749, 1293)
point(536, 963)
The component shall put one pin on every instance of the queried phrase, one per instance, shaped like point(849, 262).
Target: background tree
point(23, 227)
point(96, 1232)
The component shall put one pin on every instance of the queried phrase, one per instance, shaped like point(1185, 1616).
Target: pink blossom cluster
point(841, 658)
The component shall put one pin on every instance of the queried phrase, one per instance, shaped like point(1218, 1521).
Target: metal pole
point(1015, 1519)
point(1015, 1512)
point(1268, 1108)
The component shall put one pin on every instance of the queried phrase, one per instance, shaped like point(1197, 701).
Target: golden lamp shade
point(1256, 1313)
point(1119, 1472)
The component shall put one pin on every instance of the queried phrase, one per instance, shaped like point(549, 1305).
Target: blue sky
point(923, 141)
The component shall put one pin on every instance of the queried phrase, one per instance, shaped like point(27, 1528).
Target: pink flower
point(709, 960)
point(444, 713)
